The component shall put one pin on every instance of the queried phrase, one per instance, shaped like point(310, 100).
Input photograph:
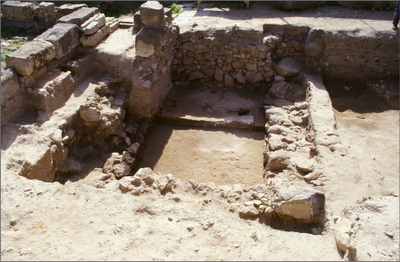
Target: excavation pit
point(206, 154)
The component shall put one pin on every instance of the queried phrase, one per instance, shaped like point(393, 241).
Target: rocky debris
point(387, 90)
point(370, 219)
point(119, 165)
point(303, 205)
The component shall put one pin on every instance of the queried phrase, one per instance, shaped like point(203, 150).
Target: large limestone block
point(92, 40)
point(9, 84)
point(65, 37)
point(67, 9)
point(152, 14)
point(278, 160)
point(93, 24)
point(289, 66)
point(305, 206)
point(79, 16)
point(17, 10)
point(51, 92)
point(31, 56)
point(148, 42)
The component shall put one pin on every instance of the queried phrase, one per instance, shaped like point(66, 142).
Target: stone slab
point(79, 16)
point(65, 37)
point(31, 56)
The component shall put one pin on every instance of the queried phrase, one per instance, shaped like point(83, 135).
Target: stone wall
point(35, 60)
point(244, 58)
point(155, 50)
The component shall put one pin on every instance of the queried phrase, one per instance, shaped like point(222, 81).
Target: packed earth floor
point(189, 197)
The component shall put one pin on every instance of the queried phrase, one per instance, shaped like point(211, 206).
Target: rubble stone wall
point(244, 58)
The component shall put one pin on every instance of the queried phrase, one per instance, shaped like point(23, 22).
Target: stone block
point(67, 9)
point(93, 24)
point(303, 205)
point(47, 6)
point(228, 80)
point(219, 75)
point(79, 16)
point(53, 90)
point(31, 56)
point(17, 10)
point(278, 160)
point(9, 84)
point(148, 42)
point(64, 37)
point(95, 38)
point(152, 14)
point(279, 89)
point(289, 66)
point(137, 21)
point(253, 77)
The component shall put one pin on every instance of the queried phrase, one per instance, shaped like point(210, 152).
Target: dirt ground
point(76, 221)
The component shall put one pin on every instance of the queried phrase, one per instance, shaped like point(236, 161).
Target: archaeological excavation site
point(205, 130)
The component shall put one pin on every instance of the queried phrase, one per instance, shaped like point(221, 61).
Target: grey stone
point(228, 80)
point(278, 160)
point(31, 56)
point(275, 111)
point(218, 50)
point(279, 89)
point(64, 37)
point(93, 24)
point(306, 206)
point(190, 46)
point(52, 90)
point(79, 16)
point(137, 21)
point(9, 85)
point(275, 142)
point(313, 44)
point(92, 40)
point(17, 10)
point(152, 14)
point(253, 77)
point(237, 64)
point(67, 9)
point(147, 42)
point(219, 75)
point(289, 66)
point(196, 75)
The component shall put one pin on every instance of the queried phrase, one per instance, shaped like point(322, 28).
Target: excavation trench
point(217, 108)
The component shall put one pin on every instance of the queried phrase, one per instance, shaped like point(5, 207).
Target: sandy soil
point(76, 221)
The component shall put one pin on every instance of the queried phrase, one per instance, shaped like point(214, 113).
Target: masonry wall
point(248, 58)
